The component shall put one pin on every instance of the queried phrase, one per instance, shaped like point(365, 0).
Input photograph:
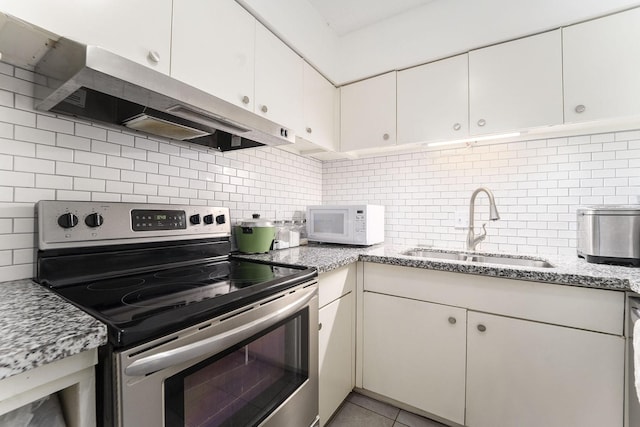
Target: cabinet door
point(433, 101)
point(527, 374)
point(319, 98)
point(414, 352)
point(132, 29)
point(213, 48)
point(278, 80)
point(336, 344)
point(516, 85)
point(601, 68)
point(368, 113)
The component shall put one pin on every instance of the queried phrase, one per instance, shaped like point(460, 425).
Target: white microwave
point(346, 224)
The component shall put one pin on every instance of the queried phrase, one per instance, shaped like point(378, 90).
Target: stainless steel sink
point(488, 259)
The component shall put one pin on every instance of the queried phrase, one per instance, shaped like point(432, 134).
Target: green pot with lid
point(255, 235)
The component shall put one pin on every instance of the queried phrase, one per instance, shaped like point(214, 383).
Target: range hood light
point(474, 139)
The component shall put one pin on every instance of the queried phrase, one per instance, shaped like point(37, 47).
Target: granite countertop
point(568, 270)
point(38, 327)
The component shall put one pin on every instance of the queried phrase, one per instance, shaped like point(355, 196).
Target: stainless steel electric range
point(196, 337)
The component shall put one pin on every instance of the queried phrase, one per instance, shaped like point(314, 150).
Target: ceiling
point(346, 16)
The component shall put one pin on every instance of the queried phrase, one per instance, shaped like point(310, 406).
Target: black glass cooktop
point(143, 306)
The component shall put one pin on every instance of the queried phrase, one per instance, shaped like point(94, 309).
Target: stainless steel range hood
point(95, 84)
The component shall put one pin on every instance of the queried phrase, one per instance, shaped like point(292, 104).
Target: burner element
point(171, 295)
point(115, 284)
point(179, 273)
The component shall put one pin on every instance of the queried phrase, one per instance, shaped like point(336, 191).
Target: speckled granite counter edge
point(612, 283)
point(567, 270)
point(38, 327)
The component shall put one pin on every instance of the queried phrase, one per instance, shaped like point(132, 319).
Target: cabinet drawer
point(584, 308)
point(336, 283)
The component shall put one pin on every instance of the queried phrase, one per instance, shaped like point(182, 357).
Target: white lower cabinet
point(336, 338)
point(481, 351)
point(414, 352)
point(71, 378)
point(529, 374)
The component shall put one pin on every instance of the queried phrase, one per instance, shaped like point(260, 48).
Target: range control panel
point(69, 224)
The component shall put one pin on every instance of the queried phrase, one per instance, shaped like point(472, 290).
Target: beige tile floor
point(361, 411)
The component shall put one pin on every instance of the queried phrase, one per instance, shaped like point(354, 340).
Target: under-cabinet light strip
point(474, 139)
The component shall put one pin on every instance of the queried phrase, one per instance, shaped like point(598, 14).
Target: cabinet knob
point(385, 136)
point(154, 56)
point(309, 130)
point(457, 126)
point(452, 320)
point(481, 327)
point(264, 109)
point(482, 122)
point(319, 326)
point(245, 99)
point(580, 108)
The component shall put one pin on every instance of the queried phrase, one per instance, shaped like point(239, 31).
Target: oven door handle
point(217, 343)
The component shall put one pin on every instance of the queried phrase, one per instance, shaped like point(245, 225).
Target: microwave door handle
point(217, 343)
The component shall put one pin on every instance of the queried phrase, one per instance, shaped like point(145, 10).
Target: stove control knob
point(208, 219)
point(94, 220)
point(194, 219)
point(220, 219)
point(67, 220)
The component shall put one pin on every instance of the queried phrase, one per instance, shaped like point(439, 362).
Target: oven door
point(257, 366)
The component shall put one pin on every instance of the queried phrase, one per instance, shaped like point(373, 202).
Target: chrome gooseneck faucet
point(472, 239)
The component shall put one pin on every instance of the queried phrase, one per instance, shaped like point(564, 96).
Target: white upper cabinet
point(138, 30)
point(278, 80)
point(213, 48)
point(516, 85)
point(319, 98)
point(602, 68)
point(368, 113)
point(433, 101)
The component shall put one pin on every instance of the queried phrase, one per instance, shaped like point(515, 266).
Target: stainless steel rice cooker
point(609, 234)
point(255, 235)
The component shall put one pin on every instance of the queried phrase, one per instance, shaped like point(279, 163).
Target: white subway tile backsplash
point(17, 148)
point(39, 136)
point(120, 138)
point(23, 256)
point(17, 179)
point(134, 198)
point(6, 225)
point(73, 195)
point(73, 169)
point(89, 184)
point(91, 132)
point(6, 98)
point(72, 141)
point(133, 176)
point(146, 189)
point(54, 124)
point(132, 153)
point(6, 258)
point(146, 144)
point(142, 166)
point(14, 85)
point(6, 194)
point(88, 158)
point(119, 187)
point(28, 164)
point(57, 182)
point(54, 153)
point(32, 195)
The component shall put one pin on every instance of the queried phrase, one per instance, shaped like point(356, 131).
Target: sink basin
point(489, 259)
